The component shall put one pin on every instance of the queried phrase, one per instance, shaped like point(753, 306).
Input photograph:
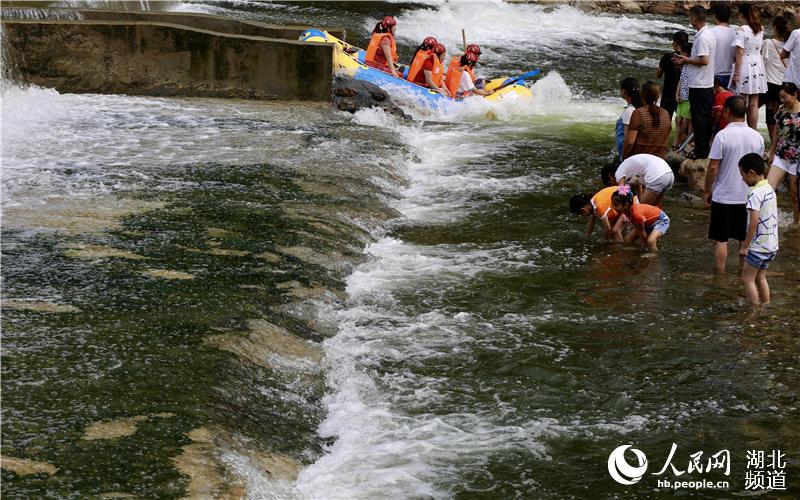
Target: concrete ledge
point(165, 59)
point(195, 20)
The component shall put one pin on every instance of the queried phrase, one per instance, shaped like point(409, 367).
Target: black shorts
point(772, 92)
point(728, 222)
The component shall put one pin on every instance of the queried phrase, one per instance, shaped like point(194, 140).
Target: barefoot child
point(650, 222)
point(683, 115)
point(761, 244)
point(598, 207)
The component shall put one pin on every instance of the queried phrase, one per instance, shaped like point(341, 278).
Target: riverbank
point(664, 8)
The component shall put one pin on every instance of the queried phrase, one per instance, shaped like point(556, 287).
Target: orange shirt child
point(644, 214)
point(601, 202)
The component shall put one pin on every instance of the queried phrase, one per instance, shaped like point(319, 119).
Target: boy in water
point(761, 244)
point(650, 222)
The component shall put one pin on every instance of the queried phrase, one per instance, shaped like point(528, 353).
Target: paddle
point(522, 77)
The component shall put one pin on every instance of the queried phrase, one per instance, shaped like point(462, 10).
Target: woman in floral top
point(784, 153)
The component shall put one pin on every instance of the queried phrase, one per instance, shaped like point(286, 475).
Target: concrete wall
point(166, 59)
point(208, 22)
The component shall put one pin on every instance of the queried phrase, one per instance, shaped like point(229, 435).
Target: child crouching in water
point(650, 222)
point(761, 243)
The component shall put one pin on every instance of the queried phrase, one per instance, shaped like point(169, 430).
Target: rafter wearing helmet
point(459, 81)
point(426, 68)
point(382, 48)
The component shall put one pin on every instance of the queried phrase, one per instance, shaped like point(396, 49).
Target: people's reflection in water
point(625, 279)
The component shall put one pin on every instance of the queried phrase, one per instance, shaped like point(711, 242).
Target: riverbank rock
point(674, 161)
point(351, 95)
point(666, 8)
point(695, 173)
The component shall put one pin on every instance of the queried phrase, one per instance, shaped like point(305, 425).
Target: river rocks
point(691, 200)
point(39, 306)
point(24, 467)
point(113, 429)
point(695, 173)
point(351, 95)
point(96, 252)
point(667, 8)
point(168, 274)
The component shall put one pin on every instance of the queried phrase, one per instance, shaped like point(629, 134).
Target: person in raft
point(426, 68)
point(652, 174)
point(382, 48)
point(599, 207)
point(761, 244)
point(650, 222)
point(459, 80)
point(475, 49)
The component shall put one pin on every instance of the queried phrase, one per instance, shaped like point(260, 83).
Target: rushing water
point(279, 300)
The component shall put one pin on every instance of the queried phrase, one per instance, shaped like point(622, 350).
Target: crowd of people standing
point(715, 85)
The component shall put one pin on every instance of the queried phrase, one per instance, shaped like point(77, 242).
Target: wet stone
point(169, 274)
point(25, 467)
point(94, 252)
point(39, 306)
point(113, 429)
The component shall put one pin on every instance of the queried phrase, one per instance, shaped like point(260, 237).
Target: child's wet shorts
point(661, 225)
point(759, 260)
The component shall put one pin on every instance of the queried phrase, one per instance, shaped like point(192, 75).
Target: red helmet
point(471, 57)
point(439, 49)
point(389, 21)
point(430, 42)
point(473, 48)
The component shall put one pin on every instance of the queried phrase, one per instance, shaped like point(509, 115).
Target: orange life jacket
point(415, 72)
point(375, 52)
point(454, 72)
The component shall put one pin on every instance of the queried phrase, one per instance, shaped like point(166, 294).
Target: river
point(278, 300)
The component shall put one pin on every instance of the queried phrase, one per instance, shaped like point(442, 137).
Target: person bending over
point(650, 223)
point(598, 207)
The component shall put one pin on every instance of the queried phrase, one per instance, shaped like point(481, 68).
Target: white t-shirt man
point(702, 77)
point(792, 46)
point(725, 53)
point(730, 144)
point(648, 167)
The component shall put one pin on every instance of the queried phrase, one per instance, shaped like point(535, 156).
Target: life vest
point(415, 71)
point(454, 71)
point(375, 52)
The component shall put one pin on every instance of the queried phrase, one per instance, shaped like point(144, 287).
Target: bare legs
point(755, 285)
point(775, 177)
point(721, 255)
point(651, 198)
point(752, 109)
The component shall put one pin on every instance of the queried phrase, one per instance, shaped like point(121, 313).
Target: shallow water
point(318, 305)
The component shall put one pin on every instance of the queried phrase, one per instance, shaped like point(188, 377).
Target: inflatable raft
point(348, 60)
